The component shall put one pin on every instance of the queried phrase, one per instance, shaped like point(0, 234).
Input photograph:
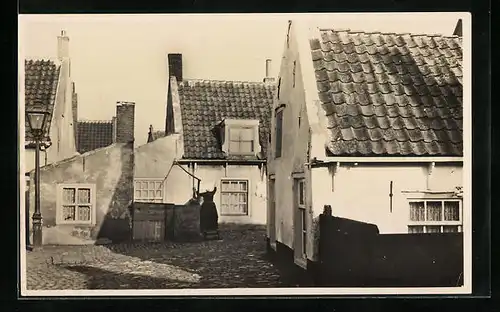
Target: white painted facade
point(153, 162)
point(356, 188)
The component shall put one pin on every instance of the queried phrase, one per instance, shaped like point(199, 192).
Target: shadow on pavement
point(103, 279)
point(237, 260)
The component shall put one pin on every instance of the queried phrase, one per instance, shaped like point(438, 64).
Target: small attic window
point(241, 137)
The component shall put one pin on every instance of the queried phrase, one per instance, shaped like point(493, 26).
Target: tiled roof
point(41, 79)
point(390, 94)
point(93, 135)
point(206, 103)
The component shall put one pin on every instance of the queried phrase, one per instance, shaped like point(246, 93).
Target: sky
point(123, 57)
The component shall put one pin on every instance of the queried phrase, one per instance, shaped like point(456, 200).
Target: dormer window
point(240, 137)
point(241, 140)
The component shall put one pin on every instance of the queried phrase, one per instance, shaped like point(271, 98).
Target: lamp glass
point(36, 121)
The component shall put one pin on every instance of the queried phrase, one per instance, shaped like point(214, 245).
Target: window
point(302, 216)
point(234, 197)
point(76, 204)
point(148, 190)
point(435, 216)
point(279, 133)
point(241, 140)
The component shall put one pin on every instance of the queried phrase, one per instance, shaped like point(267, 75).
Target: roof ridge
point(348, 30)
point(224, 81)
point(95, 121)
point(53, 60)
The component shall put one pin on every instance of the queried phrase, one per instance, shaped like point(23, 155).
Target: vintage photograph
point(249, 154)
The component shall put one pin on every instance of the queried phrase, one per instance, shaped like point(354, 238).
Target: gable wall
point(295, 142)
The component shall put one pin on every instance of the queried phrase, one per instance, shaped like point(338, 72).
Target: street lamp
point(37, 118)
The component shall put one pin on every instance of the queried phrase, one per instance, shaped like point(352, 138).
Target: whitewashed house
point(371, 124)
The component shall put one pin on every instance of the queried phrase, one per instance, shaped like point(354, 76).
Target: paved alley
point(238, 260)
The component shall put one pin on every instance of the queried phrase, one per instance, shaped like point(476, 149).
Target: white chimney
point(63, 45)
point(268, 77)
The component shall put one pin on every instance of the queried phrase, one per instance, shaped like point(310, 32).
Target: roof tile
point(390, 94)
point(41, 79)
point(204, 104)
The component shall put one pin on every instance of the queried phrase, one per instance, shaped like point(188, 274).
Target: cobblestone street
point(238, 260)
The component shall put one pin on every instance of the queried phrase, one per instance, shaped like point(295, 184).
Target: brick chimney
point(268, 78)
point(458, 28)
point(62, 45)
point(125, 114)
point(175, 66)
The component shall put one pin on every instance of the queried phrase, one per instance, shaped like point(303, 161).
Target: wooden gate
point(150, 222)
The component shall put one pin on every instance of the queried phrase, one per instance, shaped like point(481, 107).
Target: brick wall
point(125, 115)
point(74, 106)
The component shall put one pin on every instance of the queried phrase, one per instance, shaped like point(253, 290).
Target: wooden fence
point(354, 254)
point(157, 222)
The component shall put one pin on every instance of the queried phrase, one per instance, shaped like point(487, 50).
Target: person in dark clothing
point(209, 219)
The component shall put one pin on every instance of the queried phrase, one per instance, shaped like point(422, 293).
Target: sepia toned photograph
point(245, 154)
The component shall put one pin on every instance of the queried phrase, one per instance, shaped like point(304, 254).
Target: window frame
point(278, 135)
point(301, 220)
point(154, 198)
point(441, 223)
point(250, 128)
point(60, 204)
point(224, 192)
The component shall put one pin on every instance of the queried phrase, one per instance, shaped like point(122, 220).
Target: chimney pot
point(175, 65)
point(268, 68)
point(63, 45)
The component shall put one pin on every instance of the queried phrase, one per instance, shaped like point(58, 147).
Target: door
point(272, 214)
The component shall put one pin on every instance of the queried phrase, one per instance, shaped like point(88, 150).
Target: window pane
point(137, 185)
point(415, 229)
point(224, 208)
point(144, 194)
point(69, 213)
point(151, 185)
point(137, 194)
point(225, 185)
point(234, 146)
point(243, 208)
point(158, 185)
point(451, 211)
point(84, 213)
point(224, 199)
point(68, 195)
point(246, 134)
point(301, 193)
point(303, 219)
point(434, 211)
point(158, 194)
point(84, 196)
point(242, 198)
point(151, 194)
point(450, 229)
point(234, 134)
point(144, 185)
point(433, 229)
point(243, 186)
point(246, 147)
point(417, 212)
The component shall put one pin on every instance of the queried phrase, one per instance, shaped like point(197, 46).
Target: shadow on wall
point(370, 259)
point(116, 226)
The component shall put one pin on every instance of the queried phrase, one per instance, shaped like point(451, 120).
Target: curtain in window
point(451, 211)
point(434, 211)
point(417, 212)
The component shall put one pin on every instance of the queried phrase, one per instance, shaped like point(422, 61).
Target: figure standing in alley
point(209, 219)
